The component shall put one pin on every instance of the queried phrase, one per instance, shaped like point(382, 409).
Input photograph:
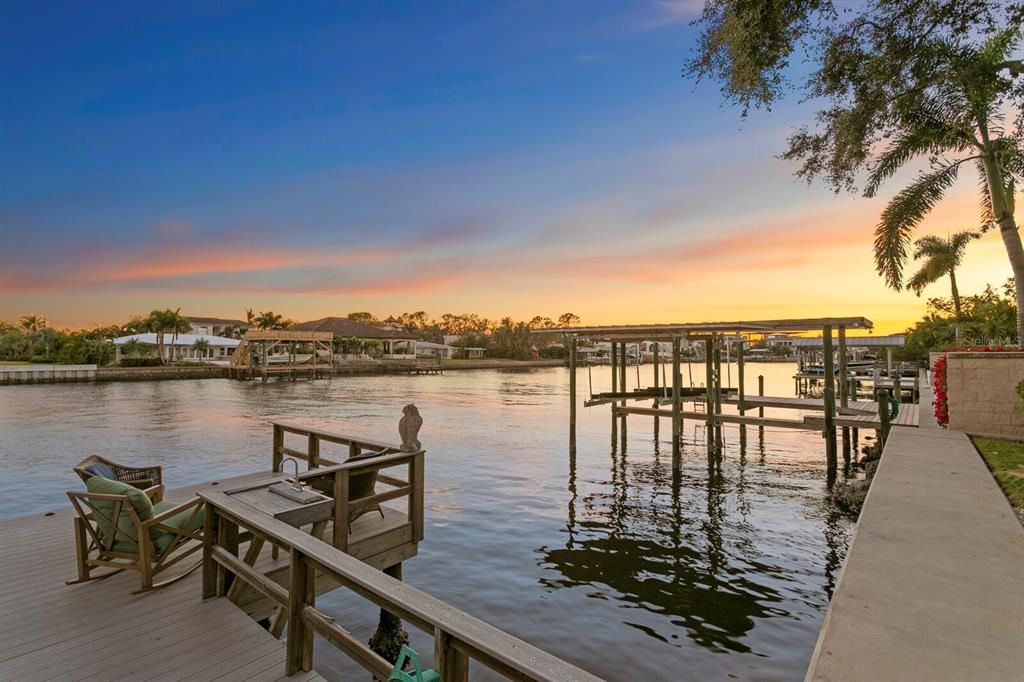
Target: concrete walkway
point(933, 585)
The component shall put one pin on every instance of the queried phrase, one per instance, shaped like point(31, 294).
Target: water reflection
point(682, 544)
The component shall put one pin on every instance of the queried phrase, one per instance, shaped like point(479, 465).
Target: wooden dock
point(265, 558)
point(100, 631)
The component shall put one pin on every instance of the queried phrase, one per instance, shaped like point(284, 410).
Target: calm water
point(597, 558)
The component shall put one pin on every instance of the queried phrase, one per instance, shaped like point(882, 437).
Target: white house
point(214, 326)
point(426, 349)
point(218, 349)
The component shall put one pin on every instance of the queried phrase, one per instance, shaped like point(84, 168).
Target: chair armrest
point(154, 493)
point(176, 509)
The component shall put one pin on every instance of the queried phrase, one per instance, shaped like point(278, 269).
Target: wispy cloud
point(671, 12)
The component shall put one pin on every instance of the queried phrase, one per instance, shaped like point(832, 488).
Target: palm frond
point(958, 244)
point(930, 246)
point(902, 215)
point(932, 271)
point(932, 136)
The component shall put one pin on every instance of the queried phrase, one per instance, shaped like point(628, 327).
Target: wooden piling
point(622, 369)
point(718, 393)
point(830, 399)
point(614, 358)
point(677, 423)
point(739, 377)
point(572, 385)
point(709, 396)
point(760, 410)
point(844, 399)
point(883, 415)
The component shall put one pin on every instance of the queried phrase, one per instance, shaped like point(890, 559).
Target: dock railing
point(314, 439)
point(335, 479)
point(458, 636)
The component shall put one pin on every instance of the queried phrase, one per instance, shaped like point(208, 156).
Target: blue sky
point(507, 158)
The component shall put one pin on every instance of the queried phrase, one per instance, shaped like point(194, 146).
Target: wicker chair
point(139, 477)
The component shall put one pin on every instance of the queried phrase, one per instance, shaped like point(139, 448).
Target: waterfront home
point(217, 350)
point(216, 326)
point(780, 340)
point(441, 351)
point(469, 352)
point(395, 344)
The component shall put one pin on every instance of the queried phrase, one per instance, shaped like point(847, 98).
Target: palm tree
point(270, 320)
point(32, 323)
point(201, 346)
point(960, 122)
point(942, 257)
point(134, 348)
point(163, 321)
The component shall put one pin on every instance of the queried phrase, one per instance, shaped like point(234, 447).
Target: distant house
point(463, 352)
point(182, 347)
point(780, 340)
point(215, 326)
point(426, 349)
point(394, 343)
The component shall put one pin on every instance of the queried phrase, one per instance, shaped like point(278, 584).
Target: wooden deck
point(100, 631)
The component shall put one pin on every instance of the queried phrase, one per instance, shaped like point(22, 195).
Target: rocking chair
point(120, 527)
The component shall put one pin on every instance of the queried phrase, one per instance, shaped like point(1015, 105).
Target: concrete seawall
point(34, 374)
point(933, 584)
point(40, 374)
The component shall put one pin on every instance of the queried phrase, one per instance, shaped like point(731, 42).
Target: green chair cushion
point(162, 539)
point(126, 539)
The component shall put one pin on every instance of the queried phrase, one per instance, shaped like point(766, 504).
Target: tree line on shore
point(32, 339)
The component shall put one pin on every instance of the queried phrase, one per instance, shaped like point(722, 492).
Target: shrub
point(45, 359)
point(140, 362)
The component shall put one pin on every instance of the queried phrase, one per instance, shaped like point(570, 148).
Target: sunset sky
point(515, 158)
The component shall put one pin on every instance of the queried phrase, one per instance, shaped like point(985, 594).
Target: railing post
point(341, 510)
point(209, 565)
point(278, 444)
point(450, 663)
point(312, 452)
point(299, 648)
point(227, 537)
point(416, 496)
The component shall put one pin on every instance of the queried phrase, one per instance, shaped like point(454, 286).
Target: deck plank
point(98, 630)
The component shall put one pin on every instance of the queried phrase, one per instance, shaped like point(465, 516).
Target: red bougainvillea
point(941, 402)
point(939, 381)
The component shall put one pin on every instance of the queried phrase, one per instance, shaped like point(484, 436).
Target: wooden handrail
point(314, 437)
point(458, 636)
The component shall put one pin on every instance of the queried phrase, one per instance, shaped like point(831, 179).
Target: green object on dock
point(418, 673)
point(894, 407)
